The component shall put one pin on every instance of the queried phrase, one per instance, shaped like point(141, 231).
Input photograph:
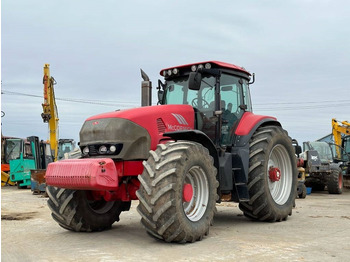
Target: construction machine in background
point(201, 145)
point(5, 165)
point(25, 157)
point(320, 170)
point(341, 135)
point(65, 146)
point(301, 188)
point(50, 113)
point(50, 116)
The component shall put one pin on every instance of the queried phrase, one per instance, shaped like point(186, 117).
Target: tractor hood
point(134, 131)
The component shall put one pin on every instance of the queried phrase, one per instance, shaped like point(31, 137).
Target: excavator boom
point(50, 114)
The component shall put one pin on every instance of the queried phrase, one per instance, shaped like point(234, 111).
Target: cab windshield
point(177, 92)
point(65, 147)
point(13, 149)
point(323, 150)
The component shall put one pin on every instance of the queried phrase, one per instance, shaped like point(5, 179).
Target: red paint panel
point(173, 118)
point(248, 122)
point(132, 168)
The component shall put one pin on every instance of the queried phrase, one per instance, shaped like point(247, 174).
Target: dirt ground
point(318, 230)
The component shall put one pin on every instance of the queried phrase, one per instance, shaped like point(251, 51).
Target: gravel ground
point(318, 230)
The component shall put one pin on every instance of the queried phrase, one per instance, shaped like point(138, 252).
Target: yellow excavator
point(50, 114)
point(341, 135)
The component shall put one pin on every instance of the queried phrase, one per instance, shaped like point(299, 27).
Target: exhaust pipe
point(146, 90)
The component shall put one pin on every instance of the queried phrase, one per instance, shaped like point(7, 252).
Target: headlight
point(102, 150)
point(112, 149)
point(86, 150)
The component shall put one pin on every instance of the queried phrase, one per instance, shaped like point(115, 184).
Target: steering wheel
point(194, 103)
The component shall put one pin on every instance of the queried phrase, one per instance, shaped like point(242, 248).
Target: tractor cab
point(218, 92)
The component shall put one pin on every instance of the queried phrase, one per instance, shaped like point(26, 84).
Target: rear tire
point(167, 213)
point(335, 182)
point(271, 198)
point(72, 210)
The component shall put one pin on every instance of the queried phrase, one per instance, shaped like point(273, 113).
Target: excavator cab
point(65, 146)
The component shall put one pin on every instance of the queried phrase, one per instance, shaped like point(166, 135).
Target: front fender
point(199, 137)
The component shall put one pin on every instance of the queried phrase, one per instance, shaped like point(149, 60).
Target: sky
point(299, 51)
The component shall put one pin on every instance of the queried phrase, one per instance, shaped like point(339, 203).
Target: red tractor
point(200, 146)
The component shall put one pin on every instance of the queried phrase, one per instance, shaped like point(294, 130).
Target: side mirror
point(298, 150)
point(194, 81)
point(160, 96)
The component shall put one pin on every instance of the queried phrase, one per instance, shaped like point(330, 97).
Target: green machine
point(25, 156)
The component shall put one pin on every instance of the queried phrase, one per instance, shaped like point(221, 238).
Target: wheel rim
point(195, 208)
point(280, 188)
point(340, 181)
point(100, 206)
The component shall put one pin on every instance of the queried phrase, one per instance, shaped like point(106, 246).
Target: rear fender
point(244, 132)
point(248, 124)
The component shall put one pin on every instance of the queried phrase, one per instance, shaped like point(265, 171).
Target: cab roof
point(215, 64)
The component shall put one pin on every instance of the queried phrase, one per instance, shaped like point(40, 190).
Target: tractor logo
point(180, 119)
point(314, 158)
point(183, 125)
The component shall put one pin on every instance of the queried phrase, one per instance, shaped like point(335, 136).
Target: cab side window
point(231, 97)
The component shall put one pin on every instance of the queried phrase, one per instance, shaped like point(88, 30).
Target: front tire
point(73, 210)
point(178, 192)
point(272, 177)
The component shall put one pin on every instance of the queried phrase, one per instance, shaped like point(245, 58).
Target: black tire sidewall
point(97, 221)
point(333, 181)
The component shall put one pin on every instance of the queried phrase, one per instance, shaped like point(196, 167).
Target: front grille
point(161, 126)
point(93, 150)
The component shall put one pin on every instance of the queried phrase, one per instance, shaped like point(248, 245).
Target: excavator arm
point(50, 114)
